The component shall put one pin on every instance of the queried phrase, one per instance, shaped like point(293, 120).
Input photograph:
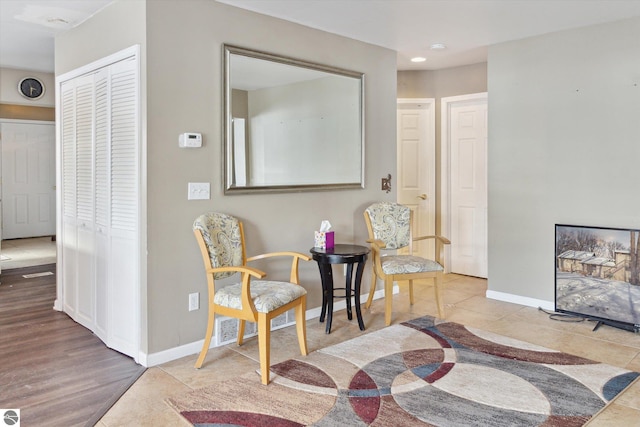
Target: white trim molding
point(517, 299)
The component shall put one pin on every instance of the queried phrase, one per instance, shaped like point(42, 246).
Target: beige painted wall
point(442, 83)
point(9, 79)
point(564, 146)
point(182, 51)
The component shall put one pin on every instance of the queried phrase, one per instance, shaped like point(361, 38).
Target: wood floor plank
point(54, 370)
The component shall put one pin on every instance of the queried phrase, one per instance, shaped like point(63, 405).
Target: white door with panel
point(465, 188)
point(416, 166)
point(100, 177)
point(28, 179)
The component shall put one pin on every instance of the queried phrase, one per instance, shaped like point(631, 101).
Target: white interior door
point(28, 179)
point(416, 166)
point(464, 154)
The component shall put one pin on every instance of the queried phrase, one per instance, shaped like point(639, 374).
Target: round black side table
point(340, 254)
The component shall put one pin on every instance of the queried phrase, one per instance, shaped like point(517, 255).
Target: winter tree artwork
point(598, 274)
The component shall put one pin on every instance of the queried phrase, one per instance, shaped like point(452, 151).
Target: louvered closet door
point(68, 236)
point(77, 206)
point(100, 194)
point(101, 201)
point(123, 211)
point(85, 120)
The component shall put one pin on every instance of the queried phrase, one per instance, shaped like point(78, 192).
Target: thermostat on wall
point(190, 140)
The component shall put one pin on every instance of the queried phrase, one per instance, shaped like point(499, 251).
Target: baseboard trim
point(189, 349)
point(517, 299)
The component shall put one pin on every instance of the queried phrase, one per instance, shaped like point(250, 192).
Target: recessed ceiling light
point(418, 59)
point(438, 46)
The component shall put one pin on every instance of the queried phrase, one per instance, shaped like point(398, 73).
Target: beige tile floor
point(143, 404)
point(18, 253)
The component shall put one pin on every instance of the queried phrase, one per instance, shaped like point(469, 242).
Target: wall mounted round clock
point(31, 88)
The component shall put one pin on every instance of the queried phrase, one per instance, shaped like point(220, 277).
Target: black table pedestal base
point(340, 254)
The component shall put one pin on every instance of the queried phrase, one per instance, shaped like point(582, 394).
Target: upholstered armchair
point(221, 241)
point(390, 229)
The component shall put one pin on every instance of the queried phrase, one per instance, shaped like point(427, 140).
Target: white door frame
point(445, 163)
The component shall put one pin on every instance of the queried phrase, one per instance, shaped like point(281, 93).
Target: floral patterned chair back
point(391, 223)
point(223, 237)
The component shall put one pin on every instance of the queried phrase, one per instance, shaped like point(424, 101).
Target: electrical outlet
point(194, 301)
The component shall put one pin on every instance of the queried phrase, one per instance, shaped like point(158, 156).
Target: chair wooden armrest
point(297, 256)
point(239, 269)
point(377, 244)
point(441, 239)
point(440, 242)
point(284, 253)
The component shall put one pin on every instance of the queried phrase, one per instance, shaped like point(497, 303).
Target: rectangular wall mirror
point(290, 125)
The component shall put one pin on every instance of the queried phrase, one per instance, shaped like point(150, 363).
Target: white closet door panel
point(102, 278)
point(101, 200)
point(123, 331)
point(123, 231)
point(103, 134)
point(68, 132)
point(124, 146)
point(68, 255)
point(86, 306)
point(69, 262)
point(84, 148)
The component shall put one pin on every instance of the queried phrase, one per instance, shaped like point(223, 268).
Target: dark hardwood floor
point(54, 370)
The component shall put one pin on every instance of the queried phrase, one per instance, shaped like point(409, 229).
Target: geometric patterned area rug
point(424, 372)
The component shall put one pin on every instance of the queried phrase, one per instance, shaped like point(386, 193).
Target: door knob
point(422, 196)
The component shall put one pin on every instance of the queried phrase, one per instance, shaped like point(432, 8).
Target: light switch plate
point(198, 191)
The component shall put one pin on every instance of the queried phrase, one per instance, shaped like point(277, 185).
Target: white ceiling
point(466, 27)
point(28, 28)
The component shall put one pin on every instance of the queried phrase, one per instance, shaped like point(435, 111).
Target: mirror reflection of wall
point(292, 126)
point(288, 131)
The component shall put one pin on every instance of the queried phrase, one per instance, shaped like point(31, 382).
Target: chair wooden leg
point(207, 340)
point(388, 299)
point(264, 337)
point(372, 289)
point(241, 325)
point(438, 291)
point(301, 325)
point(411, 292)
